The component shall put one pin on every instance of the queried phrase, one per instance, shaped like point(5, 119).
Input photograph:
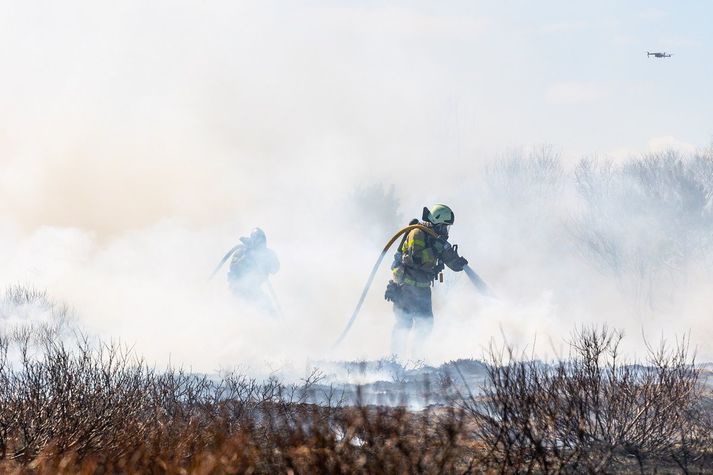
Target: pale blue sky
point(583, 65)
point(369, 82)
point(496, 75)
point(574, 74)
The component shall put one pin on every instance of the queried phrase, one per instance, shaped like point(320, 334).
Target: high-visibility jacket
point(420, 253)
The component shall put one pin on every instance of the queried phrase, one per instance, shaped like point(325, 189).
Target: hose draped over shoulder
point(369, 281)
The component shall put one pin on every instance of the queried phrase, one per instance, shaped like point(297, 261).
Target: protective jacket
point(421, 257)
point(251, 265)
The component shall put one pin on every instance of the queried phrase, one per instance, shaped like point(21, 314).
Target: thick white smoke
point(139, 140)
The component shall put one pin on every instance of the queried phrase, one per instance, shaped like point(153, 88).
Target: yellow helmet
point(439, 214)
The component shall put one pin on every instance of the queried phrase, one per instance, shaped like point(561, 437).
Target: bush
point(646, 215)
point(592, 412)
point(92, 407)
point(86, 408)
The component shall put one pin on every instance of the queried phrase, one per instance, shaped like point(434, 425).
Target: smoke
point(140, 140)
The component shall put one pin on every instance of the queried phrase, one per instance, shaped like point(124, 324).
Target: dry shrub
point(591, 412)
point(86, 408)
point(93, 408)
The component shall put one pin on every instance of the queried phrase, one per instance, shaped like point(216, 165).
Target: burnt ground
point(389, 382)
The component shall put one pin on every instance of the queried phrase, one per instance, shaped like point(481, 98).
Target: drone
point(658, 55)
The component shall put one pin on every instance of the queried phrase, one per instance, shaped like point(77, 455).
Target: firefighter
point(251, 264)
point(417, 263)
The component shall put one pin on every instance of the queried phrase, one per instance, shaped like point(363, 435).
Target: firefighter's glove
point(449, 255)
point(453, 260)
point(392, 291)
point(459, 263)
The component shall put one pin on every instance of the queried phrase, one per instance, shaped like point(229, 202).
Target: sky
point(139, 139)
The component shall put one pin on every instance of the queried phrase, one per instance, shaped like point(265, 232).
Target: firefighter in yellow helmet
point(417, 263)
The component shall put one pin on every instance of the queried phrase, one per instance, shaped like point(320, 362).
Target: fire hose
point(222, 261)
point(472, 276)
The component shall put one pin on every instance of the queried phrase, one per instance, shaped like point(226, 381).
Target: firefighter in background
point(417, 263)
point(251, 264)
